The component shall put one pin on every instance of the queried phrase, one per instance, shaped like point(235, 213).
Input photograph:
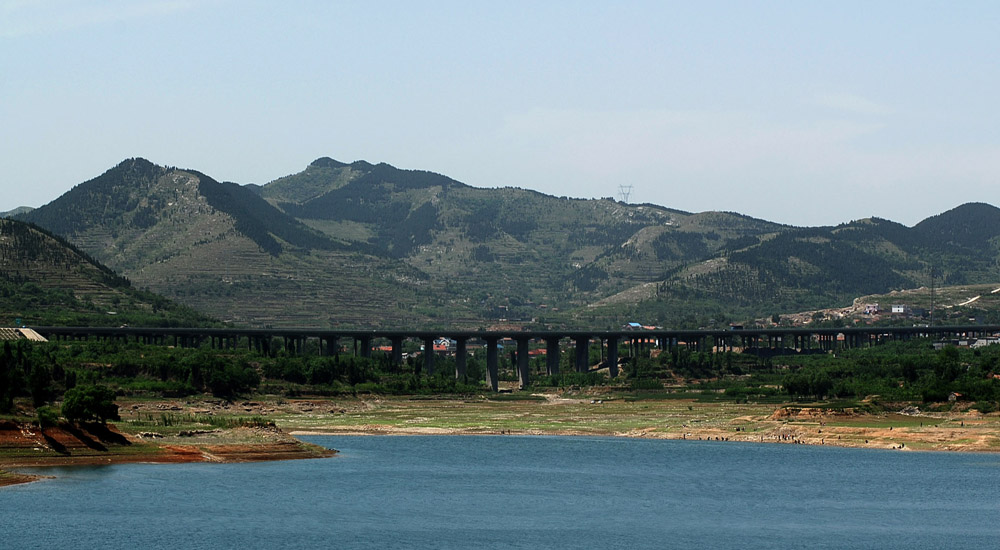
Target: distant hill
point(135, 205)
point(360, 244)
point(218, 247)
point(45, 280)
point(16, 212)
point(963, 244)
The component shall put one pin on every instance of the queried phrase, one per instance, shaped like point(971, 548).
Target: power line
point(624, 191)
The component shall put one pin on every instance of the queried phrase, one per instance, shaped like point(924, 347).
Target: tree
point(12, 379)
point(85, 403)
point(39, 382)
point(229, 380)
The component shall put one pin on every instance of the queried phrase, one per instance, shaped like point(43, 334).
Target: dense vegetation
point(25, 243)
point(890, 375)
point(904, 372)
point(35, 305)
point(117, 191)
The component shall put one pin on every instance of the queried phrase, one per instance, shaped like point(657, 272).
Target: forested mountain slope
point(45, 280)
point(361, 244)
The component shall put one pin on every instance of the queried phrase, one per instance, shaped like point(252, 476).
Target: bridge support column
point(552, 356)
point(366, 346)
point(397, 350)
point(582, 353)
point(613, 356)
point(429, 356)
point(461, 357)
point(491, 364)
point(523, 366)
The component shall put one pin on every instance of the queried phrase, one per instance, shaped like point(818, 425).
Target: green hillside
point(16, 212)
point(365, 245)
point(222, 249)
point(506, 251)
point(46, 281)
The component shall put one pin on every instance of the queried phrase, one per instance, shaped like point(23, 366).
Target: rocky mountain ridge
point(369, 245)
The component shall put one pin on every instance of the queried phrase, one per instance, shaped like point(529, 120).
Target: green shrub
point(47, 416)
point(986, 407)
point(84, 403)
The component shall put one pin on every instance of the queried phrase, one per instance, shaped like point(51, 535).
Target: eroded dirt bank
point(27, 445)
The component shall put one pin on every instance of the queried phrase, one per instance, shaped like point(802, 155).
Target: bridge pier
point(582, 353)
point(552, 356)
point(612, 356)
point(523, 365)
point(491, 364)
point(461, 357)
point(397, 350)
point(333, 346)
point(429, 356)
point(366, 346)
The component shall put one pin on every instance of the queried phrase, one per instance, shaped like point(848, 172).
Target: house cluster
point(895, 310)
point(973, 343)
point(446, 347)
point(638, 326)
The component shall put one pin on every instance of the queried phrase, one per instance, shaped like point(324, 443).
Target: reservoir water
point(521, 492)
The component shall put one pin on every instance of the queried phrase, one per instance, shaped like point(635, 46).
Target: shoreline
point(789, 439)
point(33, 449)
point(188, 439)
point(958, 431)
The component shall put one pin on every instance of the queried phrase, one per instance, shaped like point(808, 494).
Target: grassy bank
point(608, 414)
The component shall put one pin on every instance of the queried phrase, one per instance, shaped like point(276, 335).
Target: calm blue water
point(522, 492)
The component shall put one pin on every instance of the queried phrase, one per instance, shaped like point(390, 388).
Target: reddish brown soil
point(26, 445)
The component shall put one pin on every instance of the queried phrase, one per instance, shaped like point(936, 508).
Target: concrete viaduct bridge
point(754, 340)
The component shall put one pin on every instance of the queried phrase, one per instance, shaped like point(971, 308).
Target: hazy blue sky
point(805, 113)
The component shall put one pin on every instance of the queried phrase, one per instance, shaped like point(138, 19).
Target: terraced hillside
point(45, 280)
point(365, 245)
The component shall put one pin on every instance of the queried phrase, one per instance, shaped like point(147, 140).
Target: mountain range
point(371, 245)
